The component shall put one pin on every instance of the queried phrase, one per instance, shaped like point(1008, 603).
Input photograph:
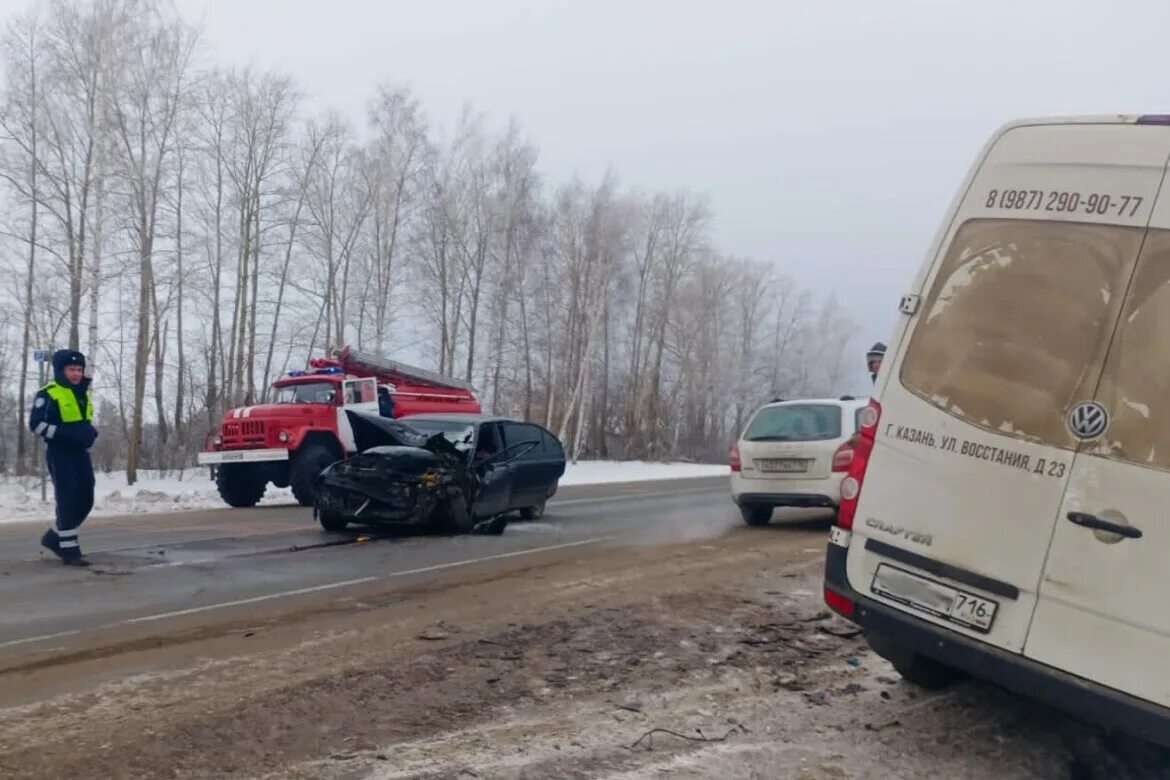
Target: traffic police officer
point(873, 359)
point(62, 415)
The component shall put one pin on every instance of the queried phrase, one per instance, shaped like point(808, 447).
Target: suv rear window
point(795, 422)
point(1016, 325)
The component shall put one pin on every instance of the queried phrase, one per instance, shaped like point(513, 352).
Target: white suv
point(793, 454)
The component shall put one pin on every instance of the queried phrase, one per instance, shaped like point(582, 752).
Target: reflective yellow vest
point(67, 402)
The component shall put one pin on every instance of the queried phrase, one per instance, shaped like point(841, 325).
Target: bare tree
point(143, 111)
point(396, 168)
point(209, 234)
point(20, 123)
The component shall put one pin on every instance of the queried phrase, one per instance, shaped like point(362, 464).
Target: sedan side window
point(552, 445)
point(523, 433)
point(488, 443)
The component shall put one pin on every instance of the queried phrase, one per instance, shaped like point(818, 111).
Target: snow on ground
point(20, 497)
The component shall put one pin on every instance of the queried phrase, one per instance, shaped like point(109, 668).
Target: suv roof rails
point(777, 400)
point(847, 398)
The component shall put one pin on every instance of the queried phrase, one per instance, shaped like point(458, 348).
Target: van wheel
point(756, 515)
point(240, 484)
point(302, 473)
point(926, 672)
point(914, 668)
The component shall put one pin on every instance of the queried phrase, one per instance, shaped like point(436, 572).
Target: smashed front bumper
point(374, 500)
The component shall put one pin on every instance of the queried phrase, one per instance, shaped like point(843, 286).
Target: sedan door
point(533, 467)
point(496, 478)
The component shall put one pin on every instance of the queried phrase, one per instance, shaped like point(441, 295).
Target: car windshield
point(453, 430)
point(795, 422)
point(307, 393)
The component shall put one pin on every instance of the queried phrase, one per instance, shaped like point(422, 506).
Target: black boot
point(51, 543)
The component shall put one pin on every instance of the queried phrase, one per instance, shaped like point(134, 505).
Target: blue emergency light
point(296, 372)
point(330, 370)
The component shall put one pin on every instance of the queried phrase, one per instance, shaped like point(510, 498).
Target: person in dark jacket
point(873, 359)
point(62, 415)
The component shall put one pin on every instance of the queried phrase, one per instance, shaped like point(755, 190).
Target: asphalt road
point(159, 573)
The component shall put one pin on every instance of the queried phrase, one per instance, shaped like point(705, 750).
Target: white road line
point(628, 496)
point(313, 589)
point(42, 638)
point(254, 600)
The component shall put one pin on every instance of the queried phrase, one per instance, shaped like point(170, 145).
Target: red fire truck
point(304, 428)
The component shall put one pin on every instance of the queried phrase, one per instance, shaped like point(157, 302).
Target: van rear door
point(1104, 587)
point(973, 450)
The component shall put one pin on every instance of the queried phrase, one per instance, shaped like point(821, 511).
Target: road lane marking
point(42, 638)
point(628, 496)
point(253, 600)
point(164, 524)
point(312, 589)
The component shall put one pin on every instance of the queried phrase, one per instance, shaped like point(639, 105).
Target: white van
point(1007, 510)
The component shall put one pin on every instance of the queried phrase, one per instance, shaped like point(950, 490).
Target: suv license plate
point(783, 466)
point(934, 598)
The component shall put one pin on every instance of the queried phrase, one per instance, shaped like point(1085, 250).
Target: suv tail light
point(855, 474)
point(844, 455)
point(733, 458)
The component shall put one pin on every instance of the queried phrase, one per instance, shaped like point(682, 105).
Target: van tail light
point(838, 603)
point(843, 456)
point(858, 463)
point(733, 458)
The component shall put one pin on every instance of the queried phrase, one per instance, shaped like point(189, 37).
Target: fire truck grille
point(238, 432)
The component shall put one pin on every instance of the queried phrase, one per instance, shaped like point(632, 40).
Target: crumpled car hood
point(371, 430)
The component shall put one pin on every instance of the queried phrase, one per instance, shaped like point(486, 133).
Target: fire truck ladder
point(380, 365)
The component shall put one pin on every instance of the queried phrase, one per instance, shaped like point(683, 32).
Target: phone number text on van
point(1092, 203)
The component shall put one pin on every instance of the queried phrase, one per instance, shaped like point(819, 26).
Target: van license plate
point(934, 598)
point(783, 465)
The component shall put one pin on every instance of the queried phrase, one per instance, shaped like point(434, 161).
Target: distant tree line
point(197, 232)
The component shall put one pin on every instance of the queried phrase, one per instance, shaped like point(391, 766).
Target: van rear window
point(1136, 383)
point(1016, 325)
point(795, 422)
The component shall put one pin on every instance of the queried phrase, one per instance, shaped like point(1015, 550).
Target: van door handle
point(1086, 520)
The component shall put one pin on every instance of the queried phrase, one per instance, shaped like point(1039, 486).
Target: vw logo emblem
point(1088, 420)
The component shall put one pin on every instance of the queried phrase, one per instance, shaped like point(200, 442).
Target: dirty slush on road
point(713, 658)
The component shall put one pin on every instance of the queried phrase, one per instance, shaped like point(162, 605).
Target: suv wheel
point(756, 515)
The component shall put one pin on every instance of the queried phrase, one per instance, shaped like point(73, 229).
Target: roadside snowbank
point(20, 498)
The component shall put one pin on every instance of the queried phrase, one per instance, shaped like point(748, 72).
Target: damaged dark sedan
point(459, 473)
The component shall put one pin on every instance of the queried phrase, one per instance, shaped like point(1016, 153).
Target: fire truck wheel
point(239, 484)
point(303, 472)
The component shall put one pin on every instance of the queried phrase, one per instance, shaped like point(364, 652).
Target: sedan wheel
point(533, 512)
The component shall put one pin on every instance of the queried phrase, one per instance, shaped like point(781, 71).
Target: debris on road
point(519, 678)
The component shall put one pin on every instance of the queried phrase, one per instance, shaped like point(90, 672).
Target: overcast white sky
point(830, 136)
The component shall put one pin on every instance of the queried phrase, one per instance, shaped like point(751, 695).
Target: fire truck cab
point(303, 426)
